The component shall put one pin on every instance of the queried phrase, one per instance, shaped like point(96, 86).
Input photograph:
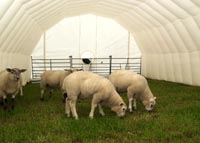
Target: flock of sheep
point(76, 84)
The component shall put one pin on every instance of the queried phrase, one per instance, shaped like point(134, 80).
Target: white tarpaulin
point(74, 36)
point(166, 31)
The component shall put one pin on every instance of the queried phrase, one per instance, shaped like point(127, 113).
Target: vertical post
point(128, 60)
point(50, 64)
point(70, 62)
point(129, 39)
point(32, 66)
point(96, 42)
point(44, 50)
point(110, 67)
point(141, 65)
point(79, 46)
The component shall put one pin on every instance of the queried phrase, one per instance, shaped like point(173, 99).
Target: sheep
point(136, 87)
point(53, 79)
point(85, 84)
point(10, 84)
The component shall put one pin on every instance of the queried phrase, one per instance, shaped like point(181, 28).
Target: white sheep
point(53, 79)
point(135, 85)
point(10, 84)
point(85, 84)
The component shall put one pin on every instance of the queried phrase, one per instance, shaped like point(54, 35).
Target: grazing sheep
point(135, 85)
point(10, 84)
point(85, 84)
point(53, 79)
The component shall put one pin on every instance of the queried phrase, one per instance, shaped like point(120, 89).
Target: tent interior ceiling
point(97, 35)
point(166, 31)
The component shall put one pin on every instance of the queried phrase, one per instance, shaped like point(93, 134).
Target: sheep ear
point(74, 70)
point(79, 69)
point(22, 70)
point(8, 69)
point(154, 98)
point(145, 102)
point(69, 70)
point(114, 109)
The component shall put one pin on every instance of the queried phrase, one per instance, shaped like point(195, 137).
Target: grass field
point(176, 118)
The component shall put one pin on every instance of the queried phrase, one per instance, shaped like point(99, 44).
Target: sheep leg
point(13, 102)
point(51, 93)
point(130, 104)
point(64, 97)
point(21, 91)
point(67, 107)
point(134, 104)
point(73, 109)
point(5, 101)
point(93, 106)
point(101, 110)
point(130, 99)
point(42, 94)
point(1, 101)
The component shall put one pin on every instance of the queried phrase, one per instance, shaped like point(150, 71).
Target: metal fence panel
point(102, 66)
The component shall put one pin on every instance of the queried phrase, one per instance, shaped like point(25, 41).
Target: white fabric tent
point(100, 36)
point(166, 31)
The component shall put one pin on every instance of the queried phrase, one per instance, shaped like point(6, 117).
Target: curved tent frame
point(166, 31)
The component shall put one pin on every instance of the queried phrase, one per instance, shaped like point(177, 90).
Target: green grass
point(176, 118)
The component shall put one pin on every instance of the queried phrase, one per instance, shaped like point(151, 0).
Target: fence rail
point(102, 66)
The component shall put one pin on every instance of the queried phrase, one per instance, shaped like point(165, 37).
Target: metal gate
point(102, 66)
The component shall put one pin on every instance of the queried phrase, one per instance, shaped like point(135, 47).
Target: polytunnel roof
point(159, 26)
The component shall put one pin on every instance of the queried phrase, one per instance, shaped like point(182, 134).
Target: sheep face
point(120, 109)
point(15, 73)
point(149, 105)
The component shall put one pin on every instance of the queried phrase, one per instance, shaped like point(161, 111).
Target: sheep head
point(120, 109)
point(15, 73)
point(149, 105)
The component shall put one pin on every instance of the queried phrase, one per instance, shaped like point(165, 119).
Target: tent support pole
point(129, 40)
point(44, 50)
